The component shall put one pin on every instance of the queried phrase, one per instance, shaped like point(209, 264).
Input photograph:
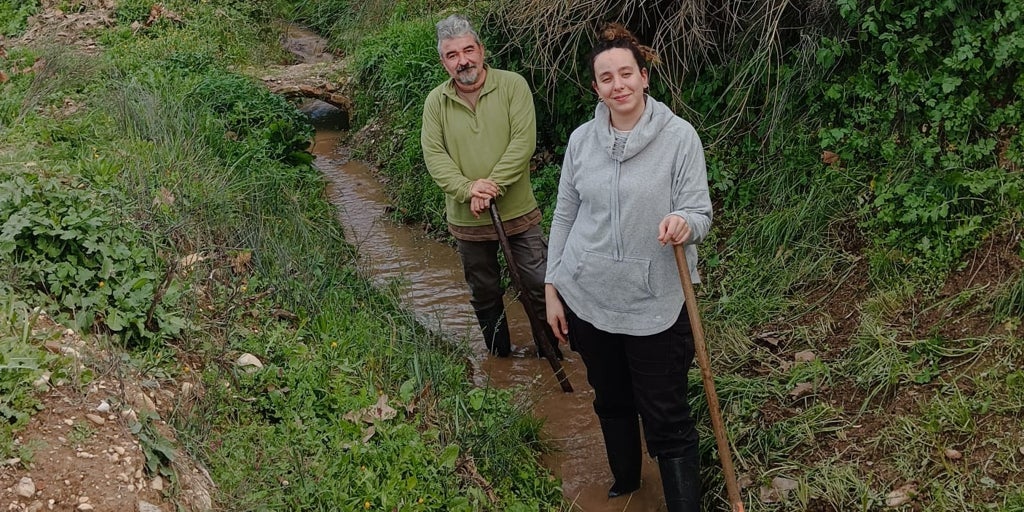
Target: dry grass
point(742, 42)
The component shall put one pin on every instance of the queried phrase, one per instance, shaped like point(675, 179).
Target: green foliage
point(160, 454)
point(264, 124)
point(63, 238)
point(395, 69)
point(935, 218)
point(22, 361)
point(927, 103)
point(14, 13)
point(1009, 302)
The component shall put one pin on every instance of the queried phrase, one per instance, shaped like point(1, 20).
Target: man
point(479, 132)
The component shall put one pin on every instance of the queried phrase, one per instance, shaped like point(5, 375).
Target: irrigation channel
point(432, 286)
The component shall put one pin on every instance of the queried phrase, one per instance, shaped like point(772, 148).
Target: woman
point(633, 184)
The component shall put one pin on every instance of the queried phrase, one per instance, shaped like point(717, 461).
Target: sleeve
point(691, 199)
point(442, 168)
point(522, 135)
point(567, 207)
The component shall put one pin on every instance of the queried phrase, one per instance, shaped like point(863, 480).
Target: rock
point(802, 389)
point(95, 419)
point(157, 484)
point(953, 454)
point(143, 403)
point(103, 407)
point(805, 356)
point(42, 382)
point(249, 362)
point(26, 488)
point(901, 496)
point(148, 507)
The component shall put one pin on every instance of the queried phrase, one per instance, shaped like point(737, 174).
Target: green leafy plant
point(13, 14)
point(62, 237)
point(262, 123)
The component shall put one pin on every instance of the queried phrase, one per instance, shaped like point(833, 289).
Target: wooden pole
point(540, 334)
point(704, 360)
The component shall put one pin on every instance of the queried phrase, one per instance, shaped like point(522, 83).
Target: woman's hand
point(674, 230)
point(556, 313)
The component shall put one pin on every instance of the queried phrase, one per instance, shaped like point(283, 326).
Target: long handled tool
point(539, 332)
point(709, 381)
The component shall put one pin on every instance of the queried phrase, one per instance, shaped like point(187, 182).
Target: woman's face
point(620, 83)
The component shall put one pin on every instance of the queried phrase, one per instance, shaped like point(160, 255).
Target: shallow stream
point(433, 288)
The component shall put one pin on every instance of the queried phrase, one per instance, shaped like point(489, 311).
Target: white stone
point(249, 362)
point(26, 488)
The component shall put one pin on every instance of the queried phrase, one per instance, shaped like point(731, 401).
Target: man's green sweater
point(496, 141)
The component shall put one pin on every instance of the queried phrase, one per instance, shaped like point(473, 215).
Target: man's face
point(463, 59)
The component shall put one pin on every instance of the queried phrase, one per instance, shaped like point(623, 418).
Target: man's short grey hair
point(452, 27)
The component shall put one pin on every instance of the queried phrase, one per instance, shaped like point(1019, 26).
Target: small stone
point(85, 506)
point(69, 422)
point(103, 407)
point(42, 382)
point(26, 488)
point(143, 403)
point(157, 484)
point(119, 450)
point(145, 506)
point(805, 356)
point(95, 419)
point(249, 362)
point(953, 454)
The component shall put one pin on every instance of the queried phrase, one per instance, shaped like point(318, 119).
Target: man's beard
point(467, 75)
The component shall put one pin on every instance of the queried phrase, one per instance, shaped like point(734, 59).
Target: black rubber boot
point(622, 443)
point(494, 325)
point(680, 478)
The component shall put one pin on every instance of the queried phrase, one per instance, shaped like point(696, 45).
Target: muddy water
point(432, 286)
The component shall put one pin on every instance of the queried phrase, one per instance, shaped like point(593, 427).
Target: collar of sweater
point(656, 115)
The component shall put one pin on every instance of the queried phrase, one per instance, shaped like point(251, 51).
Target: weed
point(80, 432)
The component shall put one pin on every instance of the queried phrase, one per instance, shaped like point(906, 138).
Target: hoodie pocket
point(613, 284)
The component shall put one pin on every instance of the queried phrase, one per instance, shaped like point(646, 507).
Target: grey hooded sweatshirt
point(604, 257)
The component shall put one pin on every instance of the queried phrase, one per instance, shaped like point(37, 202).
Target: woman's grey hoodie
point(604, 257)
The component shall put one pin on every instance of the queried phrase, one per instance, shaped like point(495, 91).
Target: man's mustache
point(467, 67)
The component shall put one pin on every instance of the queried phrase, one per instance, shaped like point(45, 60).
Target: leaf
point(949, 83)
point(802, 389)
point(449, 456)
point(901, 496)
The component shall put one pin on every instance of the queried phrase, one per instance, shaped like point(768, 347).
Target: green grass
point(244, 255)
point(193, 162)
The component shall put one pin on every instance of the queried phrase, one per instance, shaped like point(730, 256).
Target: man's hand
point(483, 191)
point(674, 230)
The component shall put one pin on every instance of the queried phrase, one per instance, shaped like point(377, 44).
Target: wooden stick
point(704, 360)
point(540, 334)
